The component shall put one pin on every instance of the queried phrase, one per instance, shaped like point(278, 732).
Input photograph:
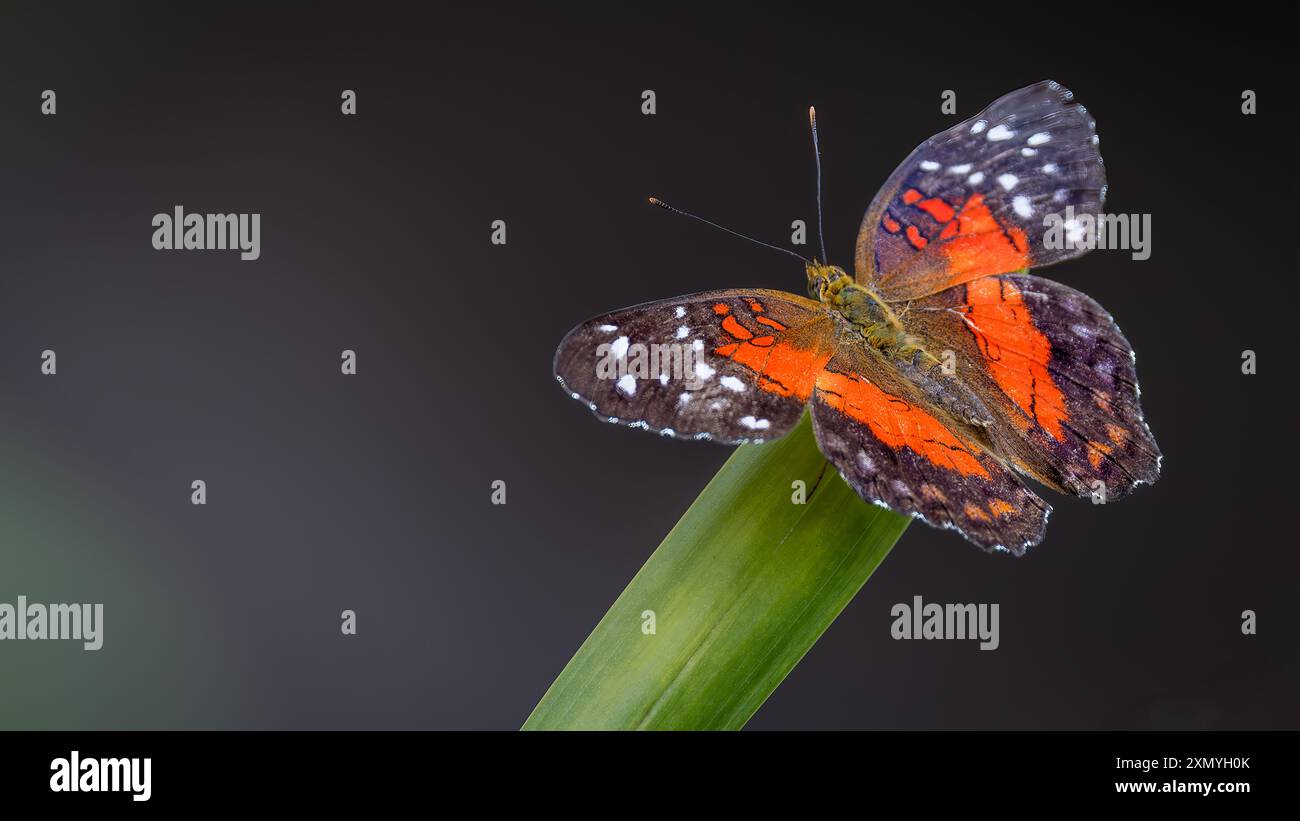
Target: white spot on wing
point(1021, 205)
point(627, 384)
point(683, 332)
point(619, 347)
point(1039, 138)
point(929, 165)
point(978, 126)
point(703, 371)
point(976, 178)
point(1073, 230)
point(755, 424)
point(1008, 181)
point(959, 169)
point(1000, 133)
point(679, 312)
point(732, 383)
point(609, 328)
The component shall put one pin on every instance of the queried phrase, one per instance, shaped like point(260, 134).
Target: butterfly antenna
point(667, 207)
point(817, 155)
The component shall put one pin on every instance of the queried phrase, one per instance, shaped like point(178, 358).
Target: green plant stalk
point(737, 593)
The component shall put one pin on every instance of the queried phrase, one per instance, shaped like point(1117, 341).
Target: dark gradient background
point(372, 492)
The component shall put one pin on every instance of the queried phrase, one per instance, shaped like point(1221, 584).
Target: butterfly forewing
point(971, 201)
point(732, 366)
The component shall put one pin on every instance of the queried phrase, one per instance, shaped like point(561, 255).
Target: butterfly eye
point(816, 286)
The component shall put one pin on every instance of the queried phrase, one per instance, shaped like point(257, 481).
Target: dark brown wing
point(732, 366)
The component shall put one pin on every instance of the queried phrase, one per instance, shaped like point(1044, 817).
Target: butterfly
point(942, 375)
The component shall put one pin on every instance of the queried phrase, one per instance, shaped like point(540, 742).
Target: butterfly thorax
point(863, 308)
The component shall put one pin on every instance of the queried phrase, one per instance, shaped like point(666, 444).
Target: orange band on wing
point(733, 327)
point(915, 237)
point(897, 423)
point(1098, 451)
point(1017, 353)
point(1001, 507)
point(937, 208)
point(982, 246)
point(782, 368)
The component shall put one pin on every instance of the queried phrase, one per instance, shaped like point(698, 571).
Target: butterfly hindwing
point(1053, 367)
point(971, 200)
point(732, 366)
point(895, 451)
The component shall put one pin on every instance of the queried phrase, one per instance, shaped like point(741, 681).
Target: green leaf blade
point(740, 589)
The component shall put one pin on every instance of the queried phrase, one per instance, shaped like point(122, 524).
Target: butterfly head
point(824, 281)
